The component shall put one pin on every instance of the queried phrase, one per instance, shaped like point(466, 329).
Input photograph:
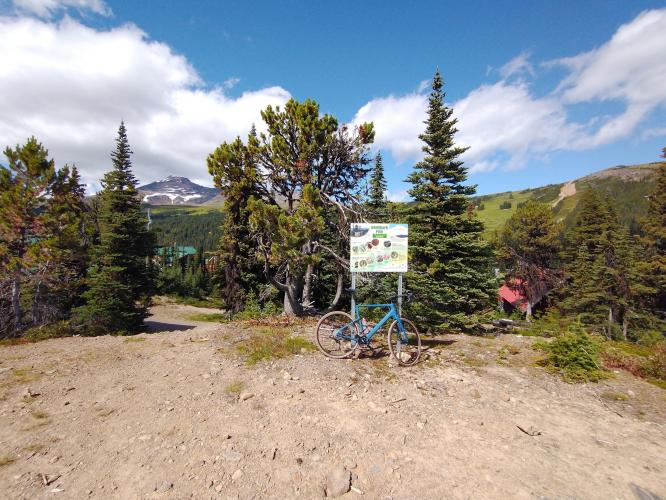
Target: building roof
point(180, 250)
point(512, 295)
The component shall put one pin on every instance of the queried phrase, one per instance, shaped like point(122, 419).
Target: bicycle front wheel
point(404, 346)
point(336, 334)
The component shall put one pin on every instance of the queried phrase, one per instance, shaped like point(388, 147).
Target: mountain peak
point(176, 190)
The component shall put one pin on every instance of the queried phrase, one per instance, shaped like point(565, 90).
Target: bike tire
point(405, 354)
point(327, 343)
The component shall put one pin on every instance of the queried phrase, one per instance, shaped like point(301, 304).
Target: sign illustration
point(378, 248)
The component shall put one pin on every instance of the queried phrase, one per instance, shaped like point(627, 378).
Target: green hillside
point(625, 186)
point(186, 225)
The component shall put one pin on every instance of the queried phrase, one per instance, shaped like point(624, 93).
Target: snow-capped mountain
point(177, 191)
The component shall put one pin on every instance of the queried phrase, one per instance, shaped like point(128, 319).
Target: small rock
point(219, 487)
point(246, 395)
point(338, 482)
point(237, 475)
point(286, 375)
point(164, 486)
point(304, 350)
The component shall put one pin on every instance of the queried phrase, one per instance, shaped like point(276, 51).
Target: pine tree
point(377, 195)
point(24, 189)
point(122, 278)
point(235, 173)
point(61, 284)
point(450, 269)
point(651, 266)
point(598, 273)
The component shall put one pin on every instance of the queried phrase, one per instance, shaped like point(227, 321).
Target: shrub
point(505, 205)
point(52, 331)
point(573, 355)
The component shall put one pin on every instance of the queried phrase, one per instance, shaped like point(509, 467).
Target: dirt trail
point(568, 189)
point(159, 416)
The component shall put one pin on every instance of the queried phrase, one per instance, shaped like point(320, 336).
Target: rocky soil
point(177, 413)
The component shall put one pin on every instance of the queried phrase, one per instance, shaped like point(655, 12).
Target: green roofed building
point(167, 255)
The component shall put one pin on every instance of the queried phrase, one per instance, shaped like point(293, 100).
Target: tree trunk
point(625, 326)
point(16, 302)
point(528, 311)
point(306, 301)
point(292, 294)
point(35, 304)
point(610, 322)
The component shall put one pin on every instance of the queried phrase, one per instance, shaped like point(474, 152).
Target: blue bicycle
point(339, 335)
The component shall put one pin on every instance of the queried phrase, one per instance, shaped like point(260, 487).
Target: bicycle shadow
point(380, 352)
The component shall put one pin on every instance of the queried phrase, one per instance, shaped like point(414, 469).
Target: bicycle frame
point(392, 313)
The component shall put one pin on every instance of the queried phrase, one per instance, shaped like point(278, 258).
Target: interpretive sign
point(378, 248)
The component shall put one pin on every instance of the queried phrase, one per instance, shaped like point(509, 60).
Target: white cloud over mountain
point(70, 86)
point(505, 123)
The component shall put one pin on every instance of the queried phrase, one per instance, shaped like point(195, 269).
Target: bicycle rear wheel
point(335, 332)
point(405, 346)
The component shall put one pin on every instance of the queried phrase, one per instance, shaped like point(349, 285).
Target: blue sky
point(545, 91)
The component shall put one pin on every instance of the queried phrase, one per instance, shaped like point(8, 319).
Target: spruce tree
point(650, 268)
point(598, 273)
point(450, 267)
point(62, 282)
point(121, 277)
point(377, 195)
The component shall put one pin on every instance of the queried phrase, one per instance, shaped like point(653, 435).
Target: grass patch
point(212, 317)
point(6, 460)
point(134, 339)
point(235, 387)
point(615, 396)
point(39, 415)
point(641, 361)
point(34, 448)
point(20, 376)
point(207, 302)
point(271, 342)
point(574, 356)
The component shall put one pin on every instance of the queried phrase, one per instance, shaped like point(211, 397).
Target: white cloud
point(506, 118)
point(46, 9)
point(630, 67)
point(506, 124)
point(654, 132)
point(399, 195)
point(70, 85)
point(398, 123)
point(518, 66)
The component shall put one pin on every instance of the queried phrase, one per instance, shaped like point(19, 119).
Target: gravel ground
point(176, 413)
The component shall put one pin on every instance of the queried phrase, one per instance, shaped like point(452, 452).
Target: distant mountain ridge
point(626, 187)
point(175, 190)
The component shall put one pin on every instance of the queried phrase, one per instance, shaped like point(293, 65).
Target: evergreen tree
point(24, 190)
point(236, 175)
point(450, 269)
point(61, 285)
point(650, 289)
point(121, 278)
point(377, 196)
point(529, 246)
point(598, 273)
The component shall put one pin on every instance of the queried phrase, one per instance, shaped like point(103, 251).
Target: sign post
point(378, 248)
point(400, 294)
point(353, 297)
